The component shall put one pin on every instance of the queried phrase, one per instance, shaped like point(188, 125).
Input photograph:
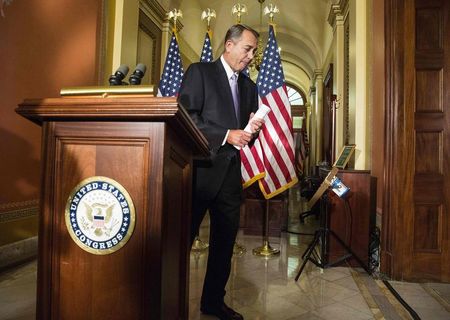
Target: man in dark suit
point(221, 108)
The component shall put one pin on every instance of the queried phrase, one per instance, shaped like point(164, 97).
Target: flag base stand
point(199, 245)
point(239, 249)
point(266, 250)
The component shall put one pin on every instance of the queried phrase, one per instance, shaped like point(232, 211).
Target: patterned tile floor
point(265, 289)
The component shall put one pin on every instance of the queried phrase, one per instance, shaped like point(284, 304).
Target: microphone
point(138, 73)
point(118, 76)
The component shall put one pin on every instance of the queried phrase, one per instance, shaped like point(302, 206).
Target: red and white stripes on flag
point(270, 160)
point(301, 151)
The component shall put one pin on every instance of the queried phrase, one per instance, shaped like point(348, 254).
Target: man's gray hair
point(235, 32)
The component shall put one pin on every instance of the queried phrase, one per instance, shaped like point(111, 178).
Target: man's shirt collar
point(227, 67)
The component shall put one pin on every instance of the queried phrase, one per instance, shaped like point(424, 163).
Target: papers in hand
point(262, 112)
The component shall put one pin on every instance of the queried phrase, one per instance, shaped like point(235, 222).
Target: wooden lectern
point(147, 145)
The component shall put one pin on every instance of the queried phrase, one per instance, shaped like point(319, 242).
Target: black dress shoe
point(223, 312)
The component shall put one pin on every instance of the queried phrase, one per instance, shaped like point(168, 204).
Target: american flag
point(171, 77)
point(206, 55)
point(246, 72)
point(301, 151)
point(271, 158)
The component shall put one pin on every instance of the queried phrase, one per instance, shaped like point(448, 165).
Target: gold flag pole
point(207, 15)
point(239, 9)
point(174, 15)
point(271, 10)
point(239, 249)
point(266, 250)
point(199, 245)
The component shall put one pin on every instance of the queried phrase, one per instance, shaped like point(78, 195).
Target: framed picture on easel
point(344, 156)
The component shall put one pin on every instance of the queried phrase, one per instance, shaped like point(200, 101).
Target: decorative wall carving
point(4, 3)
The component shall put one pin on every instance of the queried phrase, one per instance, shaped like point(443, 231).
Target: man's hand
point(239, 138)
point(255, 124)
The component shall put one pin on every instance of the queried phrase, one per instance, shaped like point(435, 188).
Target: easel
point(321, 235)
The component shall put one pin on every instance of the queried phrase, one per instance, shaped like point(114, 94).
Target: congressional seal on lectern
point(100, 215)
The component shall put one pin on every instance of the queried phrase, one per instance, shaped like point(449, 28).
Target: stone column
point(362, 152)
point(126, 21)
point(336, 20)
point(165, 41)
point(318, 83)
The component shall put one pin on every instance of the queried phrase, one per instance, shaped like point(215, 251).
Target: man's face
point(239, 53)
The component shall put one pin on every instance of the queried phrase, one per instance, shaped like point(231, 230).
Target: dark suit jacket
point(206, 95)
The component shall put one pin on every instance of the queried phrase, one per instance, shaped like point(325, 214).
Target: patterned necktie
point(235, 93)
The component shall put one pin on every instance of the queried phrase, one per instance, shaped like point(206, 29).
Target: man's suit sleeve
point(192, 97)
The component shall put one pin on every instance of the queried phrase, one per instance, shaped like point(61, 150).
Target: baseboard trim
point(18, 252)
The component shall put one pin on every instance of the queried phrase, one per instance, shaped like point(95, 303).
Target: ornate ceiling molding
point(338, 12)
point(318, 74)
point(158, 14)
